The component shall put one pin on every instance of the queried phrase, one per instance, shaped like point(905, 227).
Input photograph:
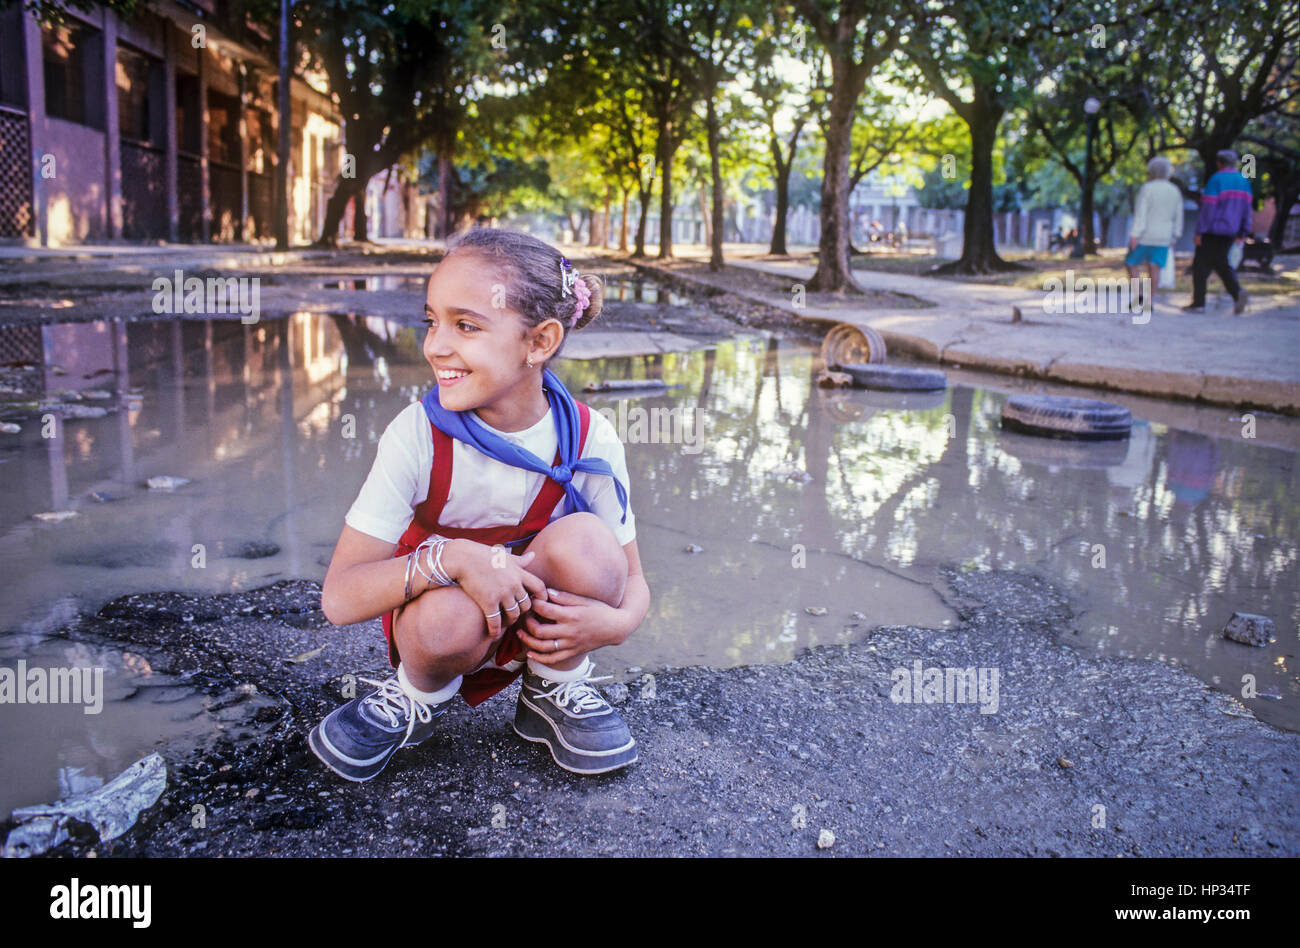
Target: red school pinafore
point(484, 683)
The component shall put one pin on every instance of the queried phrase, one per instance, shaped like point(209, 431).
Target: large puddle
point(817, 514)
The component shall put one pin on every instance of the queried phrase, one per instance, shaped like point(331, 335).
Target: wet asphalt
point(1082, 757)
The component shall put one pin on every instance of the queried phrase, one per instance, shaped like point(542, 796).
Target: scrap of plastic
point(110, 810)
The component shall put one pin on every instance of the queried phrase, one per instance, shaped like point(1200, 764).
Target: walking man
point(1224, 219)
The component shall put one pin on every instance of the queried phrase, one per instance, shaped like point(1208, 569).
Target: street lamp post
point(1087, 242)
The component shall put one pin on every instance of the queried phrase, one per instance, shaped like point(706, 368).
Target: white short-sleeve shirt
point(484, 492)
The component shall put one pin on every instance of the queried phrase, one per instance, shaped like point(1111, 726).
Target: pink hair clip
point(583, 293)
point(570, 283)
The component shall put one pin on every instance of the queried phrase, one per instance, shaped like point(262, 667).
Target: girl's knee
point(600, 568)
point(442, 625)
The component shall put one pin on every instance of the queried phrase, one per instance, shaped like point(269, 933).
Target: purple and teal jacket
point(1225, 205)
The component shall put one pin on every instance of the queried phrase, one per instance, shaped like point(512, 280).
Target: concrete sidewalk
point(1252, 360)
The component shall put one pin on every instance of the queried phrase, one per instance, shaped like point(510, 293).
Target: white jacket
point(1157, 214)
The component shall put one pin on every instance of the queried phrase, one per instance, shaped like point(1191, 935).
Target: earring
point(530, 363)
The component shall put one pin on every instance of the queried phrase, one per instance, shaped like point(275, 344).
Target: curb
point(1228, 391)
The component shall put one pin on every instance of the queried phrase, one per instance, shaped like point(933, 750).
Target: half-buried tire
point(895, 378)
point(1061, 416)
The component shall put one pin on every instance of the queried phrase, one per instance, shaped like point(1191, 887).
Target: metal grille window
point(187, 112)
point(73, 57)
point(139, 96)
point(223, 128)
point(13, 64)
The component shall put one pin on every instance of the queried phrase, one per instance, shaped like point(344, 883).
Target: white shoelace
point(391, 701)
point(579, 691)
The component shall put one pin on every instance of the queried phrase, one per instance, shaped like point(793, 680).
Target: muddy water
point(816, 515)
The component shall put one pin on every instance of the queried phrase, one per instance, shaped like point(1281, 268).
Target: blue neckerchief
point(463, 426)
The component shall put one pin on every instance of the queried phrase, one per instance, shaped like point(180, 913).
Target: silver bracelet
point(438, 568)
point(434, 574)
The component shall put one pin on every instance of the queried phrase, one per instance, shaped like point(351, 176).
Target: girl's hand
point(577, 626)
point(496, 580)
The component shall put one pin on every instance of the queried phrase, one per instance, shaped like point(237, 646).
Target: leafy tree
point(775, 96)
point(982, 57)
point(403, 75)
point(858, 36)
point(1219, 69)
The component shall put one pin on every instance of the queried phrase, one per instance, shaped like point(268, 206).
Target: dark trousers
point(1212, 255)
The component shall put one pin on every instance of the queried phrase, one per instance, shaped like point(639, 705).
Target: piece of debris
point(75, 780)
point(829, 379)
point(95, 393)
point(815, 610)
point(825, 839)
point(1250, 629)
point(55, 516)
point(9, 428)
point(857, 615)
point(306, 656)
point(166, 482)
point(1016, 316)
point(1065, 763)
point(693, 548)
point(110, 810)
point(616, 693)
point(618, 385)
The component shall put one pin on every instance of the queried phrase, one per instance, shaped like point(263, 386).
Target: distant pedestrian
point(1224, 219)
point(1157, 223)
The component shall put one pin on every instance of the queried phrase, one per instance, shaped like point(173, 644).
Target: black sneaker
point(1239, 305)
point(1193, 308)
point(585, 734)
point(357, 740)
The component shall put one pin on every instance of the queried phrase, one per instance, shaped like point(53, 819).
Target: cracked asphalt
point(1083, 756)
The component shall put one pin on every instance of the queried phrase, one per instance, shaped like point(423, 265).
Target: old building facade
point(159, 128)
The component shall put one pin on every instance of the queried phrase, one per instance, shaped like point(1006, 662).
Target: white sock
point(556, 674)
point(446, 693)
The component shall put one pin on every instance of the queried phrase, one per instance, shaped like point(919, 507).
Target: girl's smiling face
point(478, 351)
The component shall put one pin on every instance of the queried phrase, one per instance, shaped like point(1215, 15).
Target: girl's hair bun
point(597, 287)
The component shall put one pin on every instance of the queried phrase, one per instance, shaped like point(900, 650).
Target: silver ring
point(555, 645)
point(518, 601)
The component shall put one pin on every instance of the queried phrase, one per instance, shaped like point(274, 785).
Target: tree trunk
point(833, 270)
point(336, 208)
point(284, 133)
point(777, 247)
point(1284, 201)
point(715, 170)
point(604, 221)
point(666, 148)
point(360, 223)
point(1087, 205)
point(622, 224)
point(979, 251)
point(445, 217)
point(642, 222)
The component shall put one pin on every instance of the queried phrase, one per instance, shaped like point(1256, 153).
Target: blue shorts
point(1147, 253)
